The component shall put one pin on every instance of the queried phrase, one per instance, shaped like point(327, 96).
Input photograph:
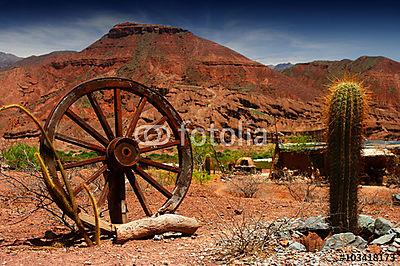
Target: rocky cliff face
point(6, 60)
point(380, 74)
point(206, 82)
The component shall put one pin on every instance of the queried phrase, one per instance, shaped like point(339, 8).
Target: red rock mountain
point(381, 76)
point(206, 82)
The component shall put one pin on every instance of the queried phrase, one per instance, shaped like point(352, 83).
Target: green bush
point(164, 158)
point(72, 156)
point(200, 152)
point(21, 156)
point(300, 138)
point(201, 177)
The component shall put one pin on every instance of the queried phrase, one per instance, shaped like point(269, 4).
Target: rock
point(375, 249)
point(312, 242)
point(284, 234)
point(392, 249)
point(297, 234)
point(396, 199)
point(49, 235)
point(344, 240)
point(297, 246)
point(158, 237)
point(397, 240)
point(384, 239)
point(314, 224)
point(238, 211)
point(395, 230)
point(366, 223)
point(284, 242)
point(382, 226)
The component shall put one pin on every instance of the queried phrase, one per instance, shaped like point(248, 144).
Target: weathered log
point(151, 226)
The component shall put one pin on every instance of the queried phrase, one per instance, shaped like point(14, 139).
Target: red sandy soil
point(213, 204)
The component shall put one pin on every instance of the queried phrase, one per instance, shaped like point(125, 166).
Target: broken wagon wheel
point(102, 117)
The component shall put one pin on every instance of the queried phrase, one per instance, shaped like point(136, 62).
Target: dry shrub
point(245, 186)
point(24, 194)
point(303, 191)
point(247, 237)
point(301, 188)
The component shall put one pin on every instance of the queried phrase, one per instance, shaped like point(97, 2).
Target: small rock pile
point(291, 239)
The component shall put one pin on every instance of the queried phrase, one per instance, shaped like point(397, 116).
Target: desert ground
point(217, 204)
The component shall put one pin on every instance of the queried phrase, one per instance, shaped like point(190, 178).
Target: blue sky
point(269, 31)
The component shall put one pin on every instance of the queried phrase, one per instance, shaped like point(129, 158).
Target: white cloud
point(76, 34)
point(273, 46)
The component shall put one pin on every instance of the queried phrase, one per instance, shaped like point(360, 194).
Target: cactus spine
point(346, 107)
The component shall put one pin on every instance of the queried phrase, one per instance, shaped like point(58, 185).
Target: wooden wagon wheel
point(103, 116)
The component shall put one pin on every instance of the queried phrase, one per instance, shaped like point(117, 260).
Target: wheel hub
point(122, 152)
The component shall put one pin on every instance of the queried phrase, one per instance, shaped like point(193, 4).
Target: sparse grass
point(71, 156)
point(165, 178)
point(300, 138)
point(201, 177)
point(21, 156)
point(230, 155)
point(164, 157)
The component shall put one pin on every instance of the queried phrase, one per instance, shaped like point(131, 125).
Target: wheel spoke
point(138, 192)
point(160, 147)
point(118, 112)
point(136, 117)
point(85, 162)
point(90, 179)
point(104, 195)
point(150, 162)
point(85, 126)
point(116, 197)
point(152, 181)
point(100, 115)
point(80, 143)
point(158, 123)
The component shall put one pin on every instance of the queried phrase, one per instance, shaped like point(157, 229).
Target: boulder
point(297, 246)
point(366, 223)
point(342, 240)
point(314, 224)
point(382, 226)
point(384, 239)
point(396, 199)
point(395, 230)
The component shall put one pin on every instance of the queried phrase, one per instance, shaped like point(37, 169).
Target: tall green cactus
point(346, 107)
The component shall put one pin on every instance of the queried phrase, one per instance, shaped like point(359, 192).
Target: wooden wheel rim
point(173, 119)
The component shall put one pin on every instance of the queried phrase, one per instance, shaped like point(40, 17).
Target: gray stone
point(314, 223)
point(158, 237)
point(397, 240)
point(395, 230)
point(297, 234)
point(297, 246)
point(366, 223)
point(382, 226)
point(396, 199)
point(392, 249)
point(342, 240)
point(284, 234)
point(384, 239)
